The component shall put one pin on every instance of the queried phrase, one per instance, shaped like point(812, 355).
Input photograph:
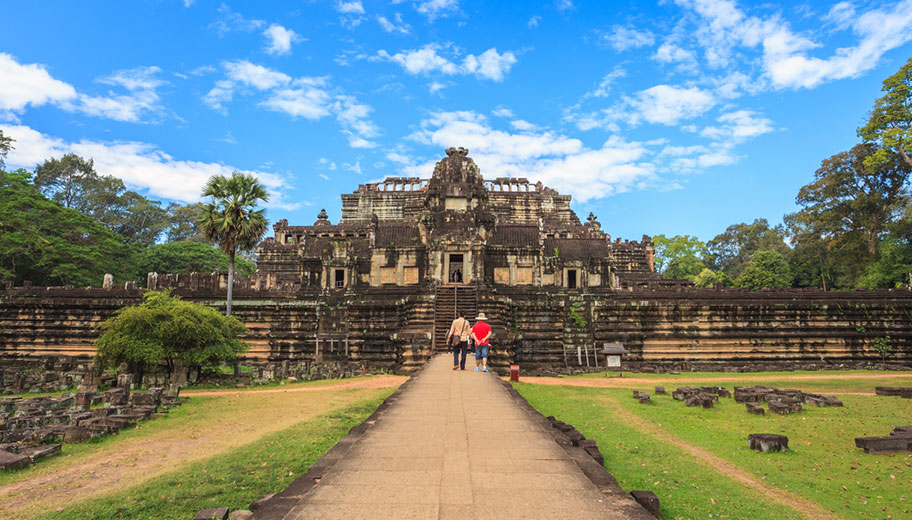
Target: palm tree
point(230, 219)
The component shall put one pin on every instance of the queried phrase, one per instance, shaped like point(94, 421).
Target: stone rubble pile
point(704, 396)
point(900, 439)
point(780, 401)
point(32, 428)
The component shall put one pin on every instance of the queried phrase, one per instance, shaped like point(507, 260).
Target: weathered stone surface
point(13, 460)
point(241, 514)
point(644, 398)
point(260, 502)
point(216, 513)
point(77, 434)
point(649, 501)
point(755, 409)
point(767, 442)
point(900, 439)
point(660, 390)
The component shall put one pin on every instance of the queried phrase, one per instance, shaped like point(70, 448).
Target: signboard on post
point(613, 353)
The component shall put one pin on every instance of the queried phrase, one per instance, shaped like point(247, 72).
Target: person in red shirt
point(481, 334)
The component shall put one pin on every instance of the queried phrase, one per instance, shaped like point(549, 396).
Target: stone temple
point(378, 290)
point(456, 229)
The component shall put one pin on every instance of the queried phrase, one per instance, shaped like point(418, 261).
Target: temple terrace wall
point(552, 329)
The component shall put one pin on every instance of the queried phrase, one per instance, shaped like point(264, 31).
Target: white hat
point(481, 317)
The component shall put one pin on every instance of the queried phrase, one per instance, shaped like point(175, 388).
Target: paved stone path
point(456, 445)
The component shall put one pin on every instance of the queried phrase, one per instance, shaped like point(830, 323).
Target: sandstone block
point(216, 513)
point(648, 500)
point(767, 442)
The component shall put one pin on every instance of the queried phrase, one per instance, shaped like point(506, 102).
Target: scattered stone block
point(77, 434)
point(755, 408)
point(702, 400)
point(660, 390)
point(900, 439)
point(888, 390)
point(767, 442)
point(594, 452)
point(13, 460)
point(241, 514)
point(575, 437)
point(644, 398)
point(216, 513)
point(649, 501)
point(636, 394)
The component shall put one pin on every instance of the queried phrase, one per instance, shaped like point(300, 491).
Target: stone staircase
point(448, 301)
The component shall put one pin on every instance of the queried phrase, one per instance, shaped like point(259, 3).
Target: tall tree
point(731, 251)
point(852, 200)
point(889, 124)
point(6, 145)
point(66, 180)
point(47, 244)
point(230, 218)
point(680, 256)
point(766, 270)
point(183, 223)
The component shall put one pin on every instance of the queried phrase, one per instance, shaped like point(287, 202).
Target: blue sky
point(674, 117)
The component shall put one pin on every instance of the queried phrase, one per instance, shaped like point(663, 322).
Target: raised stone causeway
point(455, 444)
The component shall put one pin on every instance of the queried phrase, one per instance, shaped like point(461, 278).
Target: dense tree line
point(853, 228)
point(67, 224)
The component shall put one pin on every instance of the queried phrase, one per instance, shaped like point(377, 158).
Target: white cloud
point(229, 21)
point(396, 26)
point(280, 39)
point(31, 84)
point(229, 139)
point(253, 75)
point(624, 38)
point(604, 86)
point(141, 166)
point(350, 7)
point(305, 97)
point(356, 167)
point(434, 9)
point(670, 53)
point(738, 126)
point(533, 22)
point(785, 56)
point(436, 87)
point(558, 161)
point(502, 112)
point(668, 105)
point(563, 5)
point(524, 126)
point(323, 176)
point(426, 60)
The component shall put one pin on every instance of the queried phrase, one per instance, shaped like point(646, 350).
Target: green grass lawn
point(824, 466)
point(230, 480)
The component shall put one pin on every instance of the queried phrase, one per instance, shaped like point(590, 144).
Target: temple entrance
point(456, 273)
point(571, 278)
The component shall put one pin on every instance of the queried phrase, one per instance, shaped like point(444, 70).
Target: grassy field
point(698, 463)
point(220, 448)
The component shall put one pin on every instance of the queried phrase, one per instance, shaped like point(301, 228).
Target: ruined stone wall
point(705, 329)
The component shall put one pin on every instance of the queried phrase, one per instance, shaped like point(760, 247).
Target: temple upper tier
point(454, 228)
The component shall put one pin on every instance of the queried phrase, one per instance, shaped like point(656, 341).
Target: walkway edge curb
point(280, 504)
point(595, 472)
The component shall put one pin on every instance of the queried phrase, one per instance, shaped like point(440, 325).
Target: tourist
point(458, 339)
point(481, 334)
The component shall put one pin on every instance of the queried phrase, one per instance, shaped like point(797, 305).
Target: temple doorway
point(456, 274)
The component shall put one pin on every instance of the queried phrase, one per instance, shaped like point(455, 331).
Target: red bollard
point(514, 372)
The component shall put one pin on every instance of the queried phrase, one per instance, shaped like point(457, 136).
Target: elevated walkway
point(454, 445)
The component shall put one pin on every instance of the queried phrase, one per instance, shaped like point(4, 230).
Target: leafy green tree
point(731, 251)
point(189, 257)
point(883, 347)
point(183, 223)
point(73, 181)
point(766, 270)
point(889, 124)
point(230, 218)
point(167, 330)
point(679, 257)
point(66, 180)
point(707, 278)
point(48, 244)
point(6, 145)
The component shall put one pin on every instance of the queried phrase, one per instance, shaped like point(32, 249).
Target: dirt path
point(806, 508)
point(367, 382)
point(242, 417)
point(636, 382)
